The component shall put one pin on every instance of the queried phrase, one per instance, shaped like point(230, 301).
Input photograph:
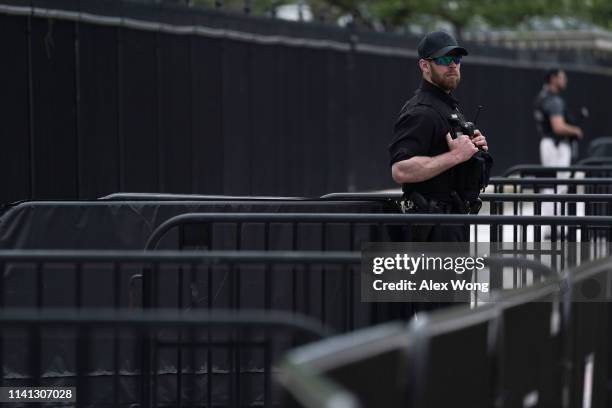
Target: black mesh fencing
point(127, 96)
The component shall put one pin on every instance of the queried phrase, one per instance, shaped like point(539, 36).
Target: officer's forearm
point(573, 130)
point(561, 128)
point(421, 168)
point(566, 130)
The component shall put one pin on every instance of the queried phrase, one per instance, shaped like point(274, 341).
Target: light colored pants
point(552, 155)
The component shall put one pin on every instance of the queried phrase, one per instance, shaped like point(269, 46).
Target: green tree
point(255, 6)
point(460, 14)
point(392, 15)
point(599, 12)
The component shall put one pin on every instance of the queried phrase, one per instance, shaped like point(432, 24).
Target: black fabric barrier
point(128, 224)
point(106, 365)
point(97, 106)
point(112, 225)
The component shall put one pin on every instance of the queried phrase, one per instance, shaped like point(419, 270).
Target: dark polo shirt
point(421, 130)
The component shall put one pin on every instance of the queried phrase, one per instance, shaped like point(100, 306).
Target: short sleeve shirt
point(553, 105)
point(549, 104)
point(413, 133)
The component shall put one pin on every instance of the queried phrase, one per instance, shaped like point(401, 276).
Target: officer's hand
point(462, 147)
point(579, 134)
point(480, 141)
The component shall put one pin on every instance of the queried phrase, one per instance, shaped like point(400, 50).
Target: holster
point(415, 204)
point(458, 204)
point(465, 207)
point(475, 206)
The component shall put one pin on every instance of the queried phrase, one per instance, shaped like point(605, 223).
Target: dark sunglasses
point(447, 59)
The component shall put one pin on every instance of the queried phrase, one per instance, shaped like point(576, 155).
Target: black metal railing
point(158, 358)
point(508, 203)
point(555, 185)
point(205, 356)
point(527, 347)
point(534, 170)
point(203, 345)
point(351, 230)
point(219, 350)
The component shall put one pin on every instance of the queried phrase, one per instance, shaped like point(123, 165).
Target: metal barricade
point(366, 368)
point(558, 205)
point(510, 203)
point(376, 231)
point(186, 366)
point(592, 185)
point(100, 353)
point(522, 204)
point(529, 346)
point(356, 229)
point(126, 224)
point(547, 345)
point(533, 170)
point(461, 349)
point(598, 161)
point(514, 204)
point(192, 197)
point(588, 303)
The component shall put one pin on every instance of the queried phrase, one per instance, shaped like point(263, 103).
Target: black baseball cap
point(437, 44)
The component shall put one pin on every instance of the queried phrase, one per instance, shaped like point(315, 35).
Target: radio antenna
point(477, 114)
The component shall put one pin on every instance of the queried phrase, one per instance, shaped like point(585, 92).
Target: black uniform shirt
point(421, 131)
point(548, 104)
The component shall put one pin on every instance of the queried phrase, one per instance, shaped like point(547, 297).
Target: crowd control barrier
point(509, 203)
point(546, 345)
point(600, 147)
point(196, 359)
point(592, 185)
point(589, 326)
point(227, 366)
point(596, 161)
point(154, 197)
point(583, 171)
point(555, 205)
point(366, 368)
point(69, 319)
point(126, 224)
point(349, 231)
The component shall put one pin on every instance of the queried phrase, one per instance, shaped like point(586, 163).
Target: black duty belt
point(419, 204)
point(557, 140)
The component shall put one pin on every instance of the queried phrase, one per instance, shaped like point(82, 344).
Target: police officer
point(556, 134)
point(551, 121)
point(434, 151)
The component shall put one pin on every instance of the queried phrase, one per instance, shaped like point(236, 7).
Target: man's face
point(561, 79)
point(446, 77)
